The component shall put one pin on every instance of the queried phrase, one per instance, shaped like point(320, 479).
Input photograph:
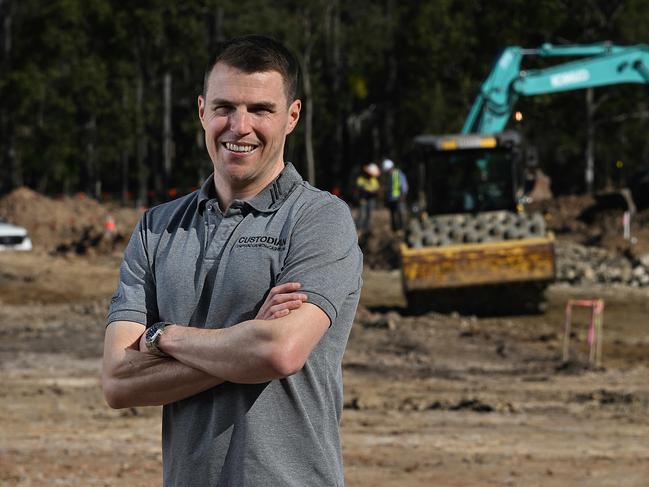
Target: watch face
point(150, 333)
point(151, 337)
point(153, 332)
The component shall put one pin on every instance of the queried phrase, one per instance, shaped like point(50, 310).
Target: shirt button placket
point(212, 224)
point(223, 231)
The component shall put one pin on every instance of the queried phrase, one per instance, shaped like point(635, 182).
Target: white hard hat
point(373, 170)
point(387, 164)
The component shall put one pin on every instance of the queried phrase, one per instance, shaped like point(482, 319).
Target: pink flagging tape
point(595, 328)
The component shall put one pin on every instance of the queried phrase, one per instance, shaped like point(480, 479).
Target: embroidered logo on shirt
point(273, 243)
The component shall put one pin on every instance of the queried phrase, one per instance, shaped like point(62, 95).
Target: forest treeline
point(100, 96)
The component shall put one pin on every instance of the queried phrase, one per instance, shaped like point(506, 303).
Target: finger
point(294, 304)
point(262, 312)
point(280, 310)
point(276, 295)
point(279, 314)
point(283, 298)
point(271, 298)
point(287, 287)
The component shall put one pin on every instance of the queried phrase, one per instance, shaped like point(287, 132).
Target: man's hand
point(280, 301)
point(256, 350)
point(131, 378)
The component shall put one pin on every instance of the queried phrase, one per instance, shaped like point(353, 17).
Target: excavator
point(472, 245)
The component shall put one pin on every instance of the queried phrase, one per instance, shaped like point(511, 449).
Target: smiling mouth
point(239, 148)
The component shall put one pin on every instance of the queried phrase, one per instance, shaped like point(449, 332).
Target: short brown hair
point(254, 54)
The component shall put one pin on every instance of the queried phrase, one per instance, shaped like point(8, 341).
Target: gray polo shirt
point(188, 263)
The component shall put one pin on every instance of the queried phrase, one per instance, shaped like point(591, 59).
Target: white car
point(13, 237)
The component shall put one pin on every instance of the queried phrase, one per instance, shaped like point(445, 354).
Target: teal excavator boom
point(599, 65)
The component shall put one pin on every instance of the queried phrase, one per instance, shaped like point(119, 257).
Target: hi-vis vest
point(395, 184)
point(368, 184)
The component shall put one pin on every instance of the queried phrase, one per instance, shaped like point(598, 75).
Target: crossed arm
point(275, 344)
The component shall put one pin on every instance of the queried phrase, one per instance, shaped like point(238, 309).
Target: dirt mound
point(562, 214)
point(78, 223)
point(381, 245)
point(581, 219)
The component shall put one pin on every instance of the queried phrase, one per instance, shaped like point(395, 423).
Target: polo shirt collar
point(268, 199)
point(206, 193)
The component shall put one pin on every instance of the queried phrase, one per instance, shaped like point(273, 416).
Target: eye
point(261, 109)
point(222, 109)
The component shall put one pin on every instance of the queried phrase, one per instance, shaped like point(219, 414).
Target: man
point(248, 400)
point(396, 189)
point(367, 190)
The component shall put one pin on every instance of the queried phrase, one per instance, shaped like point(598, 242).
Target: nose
point(240, 121)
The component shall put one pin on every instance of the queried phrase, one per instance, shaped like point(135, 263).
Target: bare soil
point(429, 399)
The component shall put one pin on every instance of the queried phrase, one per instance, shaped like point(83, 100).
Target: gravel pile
point(578, 264)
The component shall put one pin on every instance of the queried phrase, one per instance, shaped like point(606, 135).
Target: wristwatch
point(152, 337)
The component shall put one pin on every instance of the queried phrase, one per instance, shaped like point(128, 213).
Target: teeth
point(238, 148)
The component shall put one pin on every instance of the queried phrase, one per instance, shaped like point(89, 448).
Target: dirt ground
point(433, 399)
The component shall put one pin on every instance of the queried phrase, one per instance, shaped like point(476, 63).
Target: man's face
point(246, 119)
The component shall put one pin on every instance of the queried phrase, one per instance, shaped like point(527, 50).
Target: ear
point(201, 109)
point(293, 115)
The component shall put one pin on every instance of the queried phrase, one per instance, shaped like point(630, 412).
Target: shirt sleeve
point(135, 296)
point(404, 184)
point(324, 256)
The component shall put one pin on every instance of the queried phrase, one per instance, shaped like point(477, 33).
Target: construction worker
point(367, 189)
point(396, 189)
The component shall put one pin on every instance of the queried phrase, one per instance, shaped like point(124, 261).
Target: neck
point(229, 190)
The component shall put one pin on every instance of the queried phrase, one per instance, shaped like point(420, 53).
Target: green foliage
point(380, 73)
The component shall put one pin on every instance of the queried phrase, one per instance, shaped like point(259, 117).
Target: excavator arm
point(601, 65)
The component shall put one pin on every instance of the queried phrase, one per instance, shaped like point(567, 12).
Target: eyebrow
point(220, 101)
